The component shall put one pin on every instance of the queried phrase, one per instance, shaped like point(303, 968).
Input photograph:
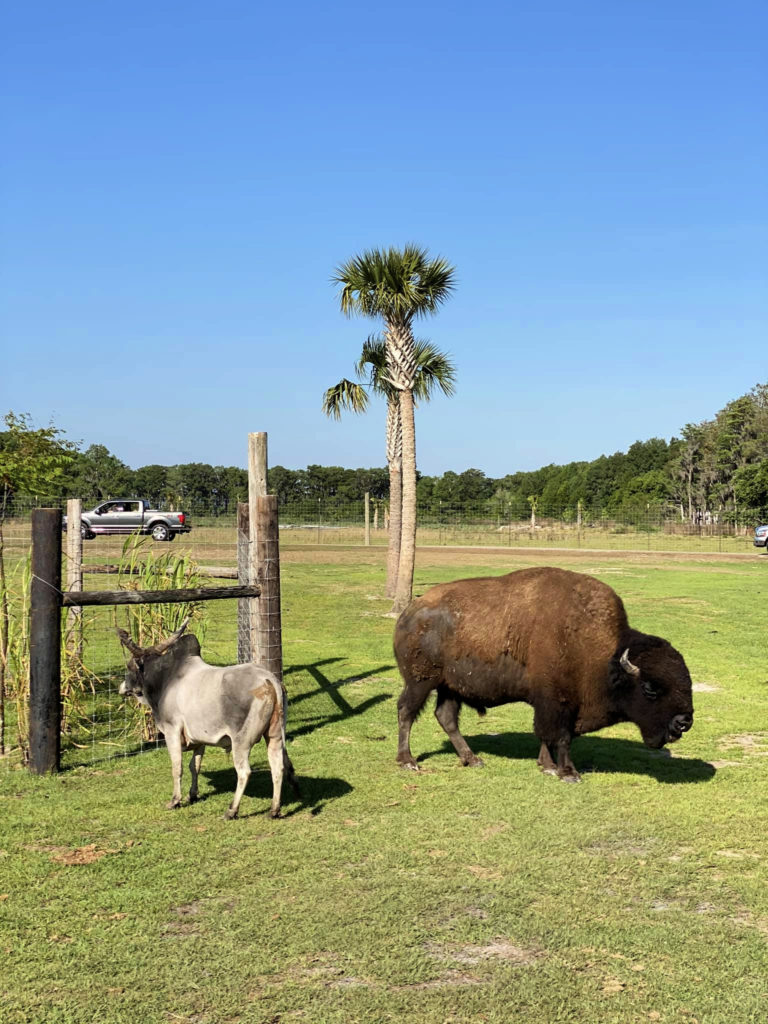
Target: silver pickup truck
point(131, 515)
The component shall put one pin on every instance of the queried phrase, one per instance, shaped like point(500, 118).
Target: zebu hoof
point(173, 805)
point(573, 777)
point(275, 814)
point(410, 765)
point(229, 814)
point(193, 798)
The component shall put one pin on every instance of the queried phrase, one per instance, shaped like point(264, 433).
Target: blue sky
point(180, 181)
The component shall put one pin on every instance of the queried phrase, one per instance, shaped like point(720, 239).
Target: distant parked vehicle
point(761, 537)
point(131, 515)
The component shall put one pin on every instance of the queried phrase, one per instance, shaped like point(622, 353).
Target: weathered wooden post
point(243, 576)
point(270, 628)
point(367, 519)
point(45, 642)
point(257, 488)
point(74, 574)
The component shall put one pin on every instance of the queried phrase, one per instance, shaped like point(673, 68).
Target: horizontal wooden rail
point(214, 571)
point(107, 597)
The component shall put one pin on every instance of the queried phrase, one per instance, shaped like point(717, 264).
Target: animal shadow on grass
point(331, 690)
point(591, 754)
point(314, 793)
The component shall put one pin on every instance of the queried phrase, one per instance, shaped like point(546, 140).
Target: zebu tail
point(282, 702)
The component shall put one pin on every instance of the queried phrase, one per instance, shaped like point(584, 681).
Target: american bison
point(558, 640)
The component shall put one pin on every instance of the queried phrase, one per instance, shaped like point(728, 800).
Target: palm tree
point(434, 370)
point(398, 286)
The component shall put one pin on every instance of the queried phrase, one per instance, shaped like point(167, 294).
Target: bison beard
point(558, 640)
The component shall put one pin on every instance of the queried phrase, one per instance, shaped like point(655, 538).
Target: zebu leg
point(447, 714)
point(277, 758)
point(241, 753)
point(173, 742)
point(194, 770)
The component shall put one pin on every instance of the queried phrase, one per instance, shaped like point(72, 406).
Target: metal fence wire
point(98, 724)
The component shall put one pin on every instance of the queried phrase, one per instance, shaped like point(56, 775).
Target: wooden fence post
point(244, 604)
point(270, 628)
point(257, 487)
point(367, 519)
point(45, 642)
point(74, 574)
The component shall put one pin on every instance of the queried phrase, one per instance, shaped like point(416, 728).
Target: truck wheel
point(171, 536)
point(160, 532)
point(85, 533)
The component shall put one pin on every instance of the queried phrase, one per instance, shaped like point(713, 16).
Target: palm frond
point(434, 370)
point(373, 357)
point(395, 284)
point(346, 396)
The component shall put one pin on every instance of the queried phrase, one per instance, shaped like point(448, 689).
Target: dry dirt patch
point(751, 743)
point(499, 949)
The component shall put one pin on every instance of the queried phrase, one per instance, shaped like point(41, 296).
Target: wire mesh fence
point(98, 724)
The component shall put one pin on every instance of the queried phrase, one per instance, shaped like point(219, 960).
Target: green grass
point(455, 895)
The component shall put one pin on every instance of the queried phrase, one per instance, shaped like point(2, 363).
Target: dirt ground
point(513, 558)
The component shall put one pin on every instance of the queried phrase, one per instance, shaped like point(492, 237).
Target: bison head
point(653, 689)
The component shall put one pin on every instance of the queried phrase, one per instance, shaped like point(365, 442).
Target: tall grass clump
point(77, 680)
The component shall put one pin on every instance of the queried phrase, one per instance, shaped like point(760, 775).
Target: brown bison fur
point(559, 641)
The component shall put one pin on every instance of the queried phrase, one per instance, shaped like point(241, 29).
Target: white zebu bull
point(195, 704)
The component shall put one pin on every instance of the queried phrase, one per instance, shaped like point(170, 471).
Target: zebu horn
point(627, 665)
point(163, 645)
point(126, 641)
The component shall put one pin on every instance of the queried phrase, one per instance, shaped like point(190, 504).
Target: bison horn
point(126, 641)
point(163, 646)
point(627, 665)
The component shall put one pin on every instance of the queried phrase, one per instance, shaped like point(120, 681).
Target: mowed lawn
point(453, 895)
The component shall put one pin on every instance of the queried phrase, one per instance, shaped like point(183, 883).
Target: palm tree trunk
point(395, 464)
point(406, 566)
point(395, 526)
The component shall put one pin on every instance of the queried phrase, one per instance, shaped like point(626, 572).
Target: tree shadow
point(331, 690)
point(314, 793)
point(591, 754)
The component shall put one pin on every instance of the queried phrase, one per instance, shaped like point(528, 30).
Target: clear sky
point(181, 179)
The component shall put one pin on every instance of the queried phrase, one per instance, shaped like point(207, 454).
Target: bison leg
point(241, 753)
point(409, 704)
point(447, 714)
point(555, 730)
point(566, 770)
point(545, 761)
point(194, 770)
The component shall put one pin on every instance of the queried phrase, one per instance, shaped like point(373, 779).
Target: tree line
point(718, 467)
